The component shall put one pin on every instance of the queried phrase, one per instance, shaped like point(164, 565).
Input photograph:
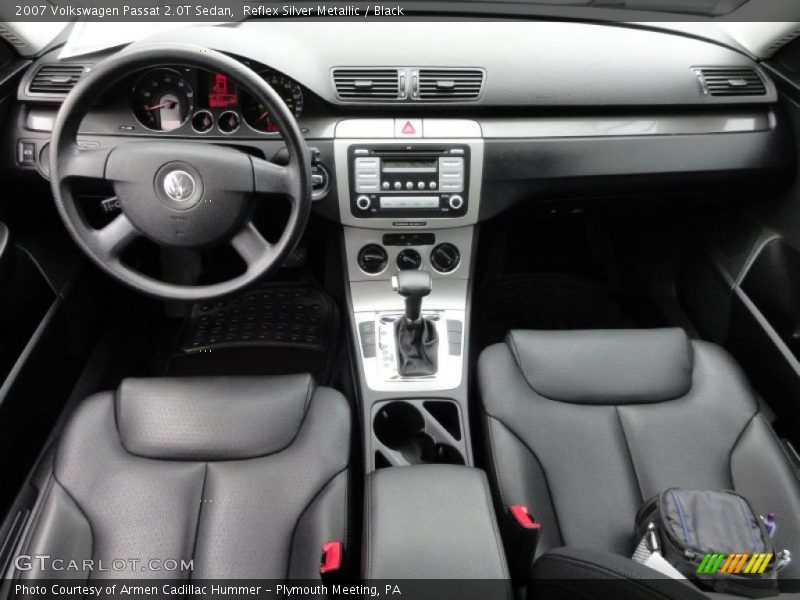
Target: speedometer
point(162, 99)
point(256, 114)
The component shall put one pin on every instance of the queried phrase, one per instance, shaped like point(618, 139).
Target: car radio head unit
point(408, 180)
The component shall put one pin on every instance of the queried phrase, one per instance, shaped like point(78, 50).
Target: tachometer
point(162, 99)
point(256, 115)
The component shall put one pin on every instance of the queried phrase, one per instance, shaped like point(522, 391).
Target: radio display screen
point(424, 165)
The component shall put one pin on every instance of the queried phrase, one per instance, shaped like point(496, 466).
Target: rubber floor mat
point(275, 315)
point(546, 301)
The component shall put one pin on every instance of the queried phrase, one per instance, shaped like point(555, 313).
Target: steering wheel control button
point(228, 122)
point(409, 260)
point(445, 258)
point(372, 259)
point(202, 121)
point(456, 202)
point(363, 202)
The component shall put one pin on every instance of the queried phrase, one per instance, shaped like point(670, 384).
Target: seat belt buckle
point(330, 562)
point(523, 517)
point(521, 539)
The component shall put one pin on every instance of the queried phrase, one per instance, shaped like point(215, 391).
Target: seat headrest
point(211, 418)
point(605, 366)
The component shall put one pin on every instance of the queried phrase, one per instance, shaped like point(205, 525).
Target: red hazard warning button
point(408, 128)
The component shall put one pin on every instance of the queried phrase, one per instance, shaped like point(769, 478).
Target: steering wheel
point(179, 193)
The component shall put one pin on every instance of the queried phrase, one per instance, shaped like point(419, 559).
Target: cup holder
point(407, 433)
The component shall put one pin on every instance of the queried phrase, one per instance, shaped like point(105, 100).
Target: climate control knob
point(456, 202)
point(445, 257)
point(372, 259)
point(363, 202)
point(408, 260)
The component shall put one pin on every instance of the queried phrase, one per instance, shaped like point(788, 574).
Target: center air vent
point(449, 84)
point(56, 79)
point(731, 81)
point(369, 84)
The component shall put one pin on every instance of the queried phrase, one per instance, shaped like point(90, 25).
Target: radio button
point(397, 185)
point(386, 185)
point(363, 202)
point(409, 185)
point(432, 185)
point(367, 174)
point(421, 185)
point(456, 202)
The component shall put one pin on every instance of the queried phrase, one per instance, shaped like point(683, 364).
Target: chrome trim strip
point(718, 121)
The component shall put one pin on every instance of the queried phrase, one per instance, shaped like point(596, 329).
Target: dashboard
point(548, 110)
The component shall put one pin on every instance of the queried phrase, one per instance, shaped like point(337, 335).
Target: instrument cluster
point(167, 98)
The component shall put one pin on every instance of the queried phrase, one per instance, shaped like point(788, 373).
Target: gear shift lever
point(413, 286)
point(416, 337)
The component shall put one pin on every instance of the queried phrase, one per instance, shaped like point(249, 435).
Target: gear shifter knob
point(413, 286)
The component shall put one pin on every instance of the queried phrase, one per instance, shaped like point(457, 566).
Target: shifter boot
point(417, 347)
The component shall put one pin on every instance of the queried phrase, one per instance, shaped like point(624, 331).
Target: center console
point(409, 194)
point(434, 522)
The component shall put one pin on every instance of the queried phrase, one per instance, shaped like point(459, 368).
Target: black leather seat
point(583, 426)
point(245, 476)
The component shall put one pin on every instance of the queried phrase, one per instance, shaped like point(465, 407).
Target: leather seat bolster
point(762, 472)
point(263, 516)
point(211, 418)
point(605, 366)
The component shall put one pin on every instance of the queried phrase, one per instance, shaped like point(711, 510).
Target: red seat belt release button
point(521, 537)
point(523, 517)
point(331, 559)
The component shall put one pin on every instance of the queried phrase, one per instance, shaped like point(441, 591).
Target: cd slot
point(389, 202)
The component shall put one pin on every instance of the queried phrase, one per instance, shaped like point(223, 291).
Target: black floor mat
point(270, 329)
point(546, 301)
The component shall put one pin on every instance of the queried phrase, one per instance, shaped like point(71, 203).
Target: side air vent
point(11, 37)
point(781, 42)
point(733, 81)
point(56, 79)
point(449, 84)
point(369, 84)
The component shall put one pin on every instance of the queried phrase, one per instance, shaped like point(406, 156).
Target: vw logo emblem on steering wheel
point(179, 186)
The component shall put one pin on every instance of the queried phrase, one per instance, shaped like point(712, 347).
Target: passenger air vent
point(369, 84)
point(733, 81)
point(449, 84)
point(781, 42)
point(56, 79)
